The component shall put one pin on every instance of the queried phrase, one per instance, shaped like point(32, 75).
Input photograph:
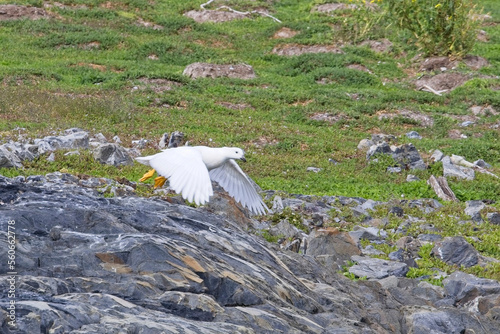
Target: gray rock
point(8, 159)
point(412, 178)
point(465, 287)
point(112, 154)
point(460, 172)
point(456, 251)
point(481, 163)
point(437, 156)
point(365, 144)
point(140, 144)
point(101, 138)
point(394, 169)
point(493, 218)
point(313, 169)
point(117, 140)
point(372, 268)
point(339, 245)
point(163, 144)
point(466, 123)
point(429, 237)
point(73, 140)
point(285, 229)
point(406, 155)
point(176, 139)
point(367, 233)
point(473, 209)
point(413, 135)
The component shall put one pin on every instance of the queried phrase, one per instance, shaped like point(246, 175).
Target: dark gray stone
point(456, 251)
point(112, 154)
point(465, 287)
point(493, 218)
point(372, 268)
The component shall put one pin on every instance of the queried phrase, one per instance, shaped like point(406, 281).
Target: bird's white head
point(235, 153)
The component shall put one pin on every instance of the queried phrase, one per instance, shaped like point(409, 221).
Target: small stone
point(456, 251)
point(397, 211)
point(493, 218)
point(163, 141)
point(51, 157)
point(466, 123)
point(481, 163)
point(437, 156)
point(313, 169)
point(394, 169)
point(365, 144)
point(100, 138)
point(140, 144)
point(112, 154)
point(72, 153)
point(413, 135)
point(117, 140)
point(412, 178)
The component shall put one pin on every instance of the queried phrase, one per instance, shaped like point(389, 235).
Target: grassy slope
point(54, 79)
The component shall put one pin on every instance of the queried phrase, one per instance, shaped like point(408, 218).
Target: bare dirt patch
point(422, 118)
point(327, 117)
point(216, 16)
point(442, 82)
point(235, 106)
point(359, 67)
point(15, 12)
point(206, 70)
point(383, 45)
point(296, 50)
point(331, 7)
point(285, 33)
point(156, 85)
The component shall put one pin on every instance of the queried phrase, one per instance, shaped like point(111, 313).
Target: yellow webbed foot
point(148, 175)
point(159, 182)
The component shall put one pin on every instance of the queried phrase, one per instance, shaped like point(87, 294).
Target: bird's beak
point(243, 159)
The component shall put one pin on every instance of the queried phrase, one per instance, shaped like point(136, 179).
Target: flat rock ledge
point(90, 264)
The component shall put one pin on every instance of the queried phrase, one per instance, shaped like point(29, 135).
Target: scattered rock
point(412, 178)
point(493, 218)
point(9, 159)
point(373, 268)
point(437, 156)
point(365, 144)
point(473, 209)
point(206, 70)
point(456, 251)
point(441, 188)
point(297, 50)
point(460, 172)
point(406, 155)
point(73, 140)
point(367, 233)
point(333, 246)
point(313, 169)
point(112, 154)
point(464, 287)
point(413, 135)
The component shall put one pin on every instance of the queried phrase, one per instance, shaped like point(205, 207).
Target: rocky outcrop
point(90, 264)
point(206, 70)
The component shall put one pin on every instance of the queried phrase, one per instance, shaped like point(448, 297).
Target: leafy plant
point(439, 27)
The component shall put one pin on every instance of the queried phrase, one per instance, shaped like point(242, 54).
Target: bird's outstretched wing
point(238, 185)
point(187, 173)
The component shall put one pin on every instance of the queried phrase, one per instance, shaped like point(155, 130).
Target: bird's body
point(190, 170)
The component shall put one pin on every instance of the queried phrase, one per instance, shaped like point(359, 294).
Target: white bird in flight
point(190, 170)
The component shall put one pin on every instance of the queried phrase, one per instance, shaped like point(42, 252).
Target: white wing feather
point(238, 185)
point(187, 173)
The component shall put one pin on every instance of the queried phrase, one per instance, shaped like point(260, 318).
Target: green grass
point(78, 68)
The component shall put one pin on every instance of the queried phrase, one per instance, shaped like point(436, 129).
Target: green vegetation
point(92, 64)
